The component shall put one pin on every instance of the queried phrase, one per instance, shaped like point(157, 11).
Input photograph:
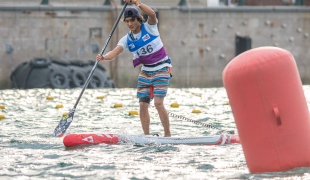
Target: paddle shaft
point(101, 53)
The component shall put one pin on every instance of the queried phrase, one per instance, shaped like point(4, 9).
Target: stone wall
point(200, 40)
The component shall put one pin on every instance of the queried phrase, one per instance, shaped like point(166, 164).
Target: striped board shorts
point(159, 79)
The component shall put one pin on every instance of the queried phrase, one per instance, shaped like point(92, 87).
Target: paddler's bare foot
point(167, 135)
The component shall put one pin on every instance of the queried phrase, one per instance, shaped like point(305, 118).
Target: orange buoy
point(270, 109)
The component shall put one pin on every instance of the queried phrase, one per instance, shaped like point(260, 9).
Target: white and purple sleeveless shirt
point(147, 50)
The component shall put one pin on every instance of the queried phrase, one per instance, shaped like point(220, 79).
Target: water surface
point(29, 151)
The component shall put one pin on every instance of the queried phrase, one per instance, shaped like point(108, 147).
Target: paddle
point(65, 122)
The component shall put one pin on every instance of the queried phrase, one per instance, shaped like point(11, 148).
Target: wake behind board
point(93, 139)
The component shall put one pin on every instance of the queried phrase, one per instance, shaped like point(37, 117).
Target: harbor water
point(30, 151)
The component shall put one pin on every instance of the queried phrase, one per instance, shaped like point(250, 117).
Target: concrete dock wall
point(199, 40)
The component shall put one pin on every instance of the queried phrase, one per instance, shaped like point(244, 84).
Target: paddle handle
point(101, 53)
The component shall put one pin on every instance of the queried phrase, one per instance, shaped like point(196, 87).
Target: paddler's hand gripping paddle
point(66, 120)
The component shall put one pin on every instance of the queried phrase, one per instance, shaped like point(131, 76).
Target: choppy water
point(29, 151)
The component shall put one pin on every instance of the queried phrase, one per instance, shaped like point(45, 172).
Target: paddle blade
point(64, 123)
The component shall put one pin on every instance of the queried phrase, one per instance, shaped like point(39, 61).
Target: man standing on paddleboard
point(144, 42)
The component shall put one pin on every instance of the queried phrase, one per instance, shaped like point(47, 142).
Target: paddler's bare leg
point(145, 117)
point(163, 115)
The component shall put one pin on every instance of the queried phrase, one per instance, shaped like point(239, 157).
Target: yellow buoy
point(100, 97)
point(49, 98)
point(118, 105)
point(175, 105)
point(2, 107)
point(196, 111)
point(198, 94)
point(132, 113)
point(2, 116)
point(59, 106)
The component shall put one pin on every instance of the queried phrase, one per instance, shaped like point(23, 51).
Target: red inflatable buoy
point(270, 109)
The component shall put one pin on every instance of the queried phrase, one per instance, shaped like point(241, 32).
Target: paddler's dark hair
point(139, 18)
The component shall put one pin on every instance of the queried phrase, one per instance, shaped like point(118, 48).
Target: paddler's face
point(133, 24)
